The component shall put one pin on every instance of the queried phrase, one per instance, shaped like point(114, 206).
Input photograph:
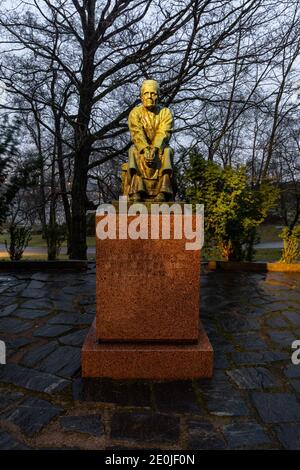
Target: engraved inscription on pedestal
point(131, 265)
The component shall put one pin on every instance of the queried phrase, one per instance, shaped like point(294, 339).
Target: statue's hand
point(154, 153)
point(147, 152)
point(148, 155)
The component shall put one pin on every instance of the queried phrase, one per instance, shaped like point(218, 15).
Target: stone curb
point(254, 267)
point(66, 265)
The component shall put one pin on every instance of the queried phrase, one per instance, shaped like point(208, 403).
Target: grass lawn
point(269, 233)
point(34, 257)
point(267, 255)
point(39, 257)
point(38, 242)
point(270, 255)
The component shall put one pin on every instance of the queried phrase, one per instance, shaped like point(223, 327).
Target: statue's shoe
point(160, 197)
point(136, 197)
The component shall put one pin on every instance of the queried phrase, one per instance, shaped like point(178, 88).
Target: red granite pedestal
point(147, 320)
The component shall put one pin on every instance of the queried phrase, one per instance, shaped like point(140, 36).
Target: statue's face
point(149, 97)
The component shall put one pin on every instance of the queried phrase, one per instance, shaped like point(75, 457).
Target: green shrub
point(291, 244)
point(233, 209)
point(19, 239)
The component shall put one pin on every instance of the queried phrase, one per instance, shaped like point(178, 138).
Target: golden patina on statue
point(148, 175)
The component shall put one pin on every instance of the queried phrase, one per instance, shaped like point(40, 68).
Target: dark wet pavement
point(253, 400)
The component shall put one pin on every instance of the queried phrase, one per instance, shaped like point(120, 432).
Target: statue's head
point(149, 93)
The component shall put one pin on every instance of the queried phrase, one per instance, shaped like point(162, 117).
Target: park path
point(38, 250)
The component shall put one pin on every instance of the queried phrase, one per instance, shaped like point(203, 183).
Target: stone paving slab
point(32, 415)
point(289, 436)
point(7, 442)
point(296, 385)
point(37, 304)
point(74, 339)
point(12, 345)
point(203, 436)
point(226, 404)
point(253, 400)
point(30, 314)
point(253, 378)
point(35, 355)
point(51, 331)
point(31, 379)
point(277, 407)
point(73, 319)
point(88, 424)
point(292, 372)
point(259, 358)
point(250, 342)
point(293, 317)
point(7, 397)
point(282, 339)
point(237, 434)
point(145, 427)
point(63, 361)
point(4, 312)
point(13, 325)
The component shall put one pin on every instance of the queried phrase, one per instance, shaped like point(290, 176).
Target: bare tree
point(78, 64)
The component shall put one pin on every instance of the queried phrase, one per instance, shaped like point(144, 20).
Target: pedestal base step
point(146, 361)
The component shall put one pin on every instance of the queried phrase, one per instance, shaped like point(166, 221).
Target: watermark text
point(296, 354)
point(154, 221)
point(2, 352)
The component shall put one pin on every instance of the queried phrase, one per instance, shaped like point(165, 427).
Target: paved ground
point(253, 401)
point(269, 245)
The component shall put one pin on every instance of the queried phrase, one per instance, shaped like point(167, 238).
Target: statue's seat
point(124, 168)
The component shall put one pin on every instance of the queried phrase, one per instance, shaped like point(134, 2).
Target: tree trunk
point(51, 236)
point(63, 186)
point(78, 222)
